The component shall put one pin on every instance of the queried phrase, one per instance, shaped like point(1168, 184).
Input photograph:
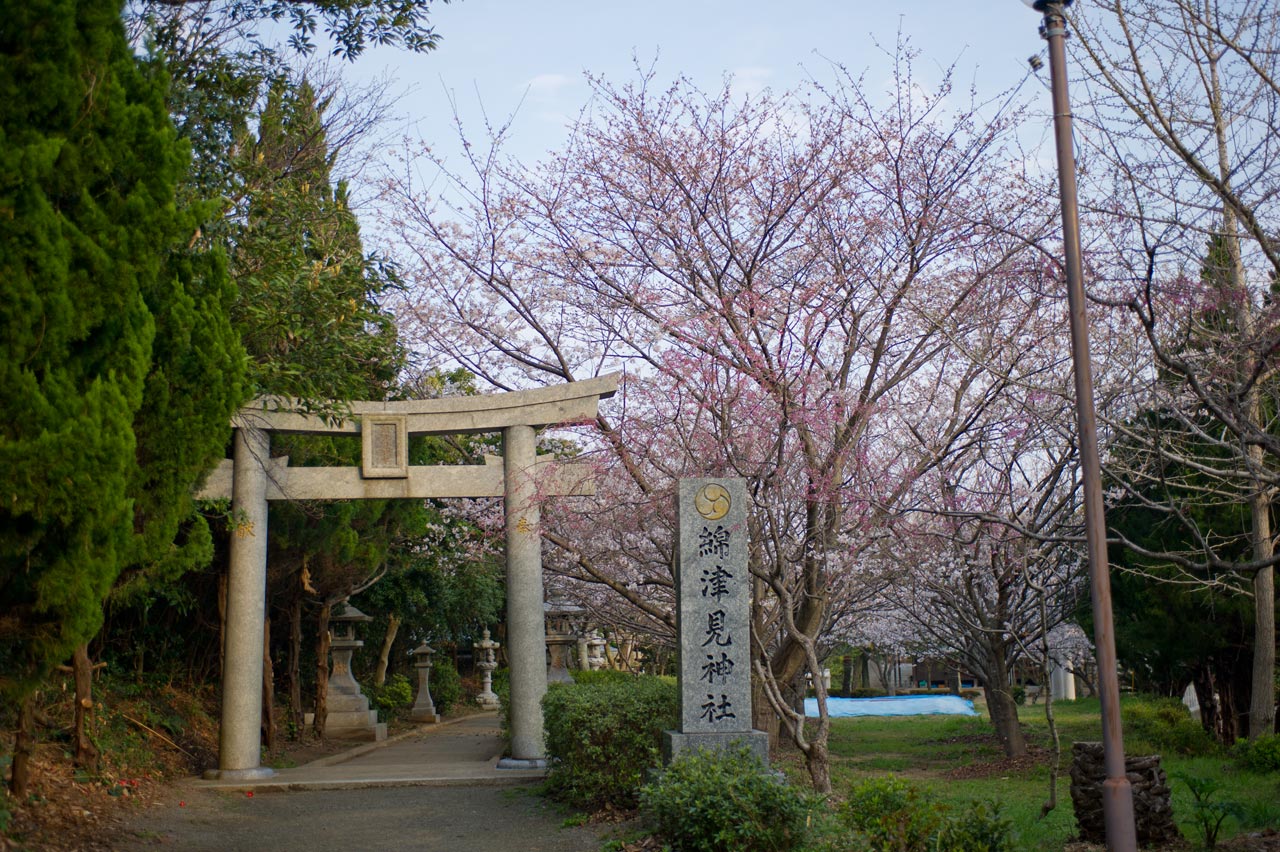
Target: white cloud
point(546, 85)
point(750, 80)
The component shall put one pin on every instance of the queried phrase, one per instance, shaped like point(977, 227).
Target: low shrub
point(892, 815)
point(976, 827)
point(595, 678)
point(1163, 725)
point(1259, 754)
point(602, 738)
point(868, 692)
point(391, 699)
point(446, 685)
point(725, 802)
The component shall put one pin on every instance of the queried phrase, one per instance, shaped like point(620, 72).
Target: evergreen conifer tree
point(119, 369)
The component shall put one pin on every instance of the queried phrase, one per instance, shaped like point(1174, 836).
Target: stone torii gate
point(521, 478)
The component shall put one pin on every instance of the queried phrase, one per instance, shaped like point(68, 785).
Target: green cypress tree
point(116, 348)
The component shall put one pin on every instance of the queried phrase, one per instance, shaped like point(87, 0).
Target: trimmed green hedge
point(604, 737)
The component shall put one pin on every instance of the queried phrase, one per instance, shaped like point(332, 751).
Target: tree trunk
point(846, 679)
point(222, 623)
point(322, 668)
point(269, 728)
point(1206, 696)
point(295, 664)
point(1001, 706)
point(86, 754)
point(24, 746)
point(818, 762)
point(1262, 707)
point(384, 654)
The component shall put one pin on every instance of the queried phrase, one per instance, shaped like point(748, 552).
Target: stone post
point(713, 620)
point(526, 636)
point(424, 709)
point(240, 733)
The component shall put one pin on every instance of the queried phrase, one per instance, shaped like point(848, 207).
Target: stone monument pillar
point(424, 709)
point(486, 662)
point(526, 636)
point(240, 739)
point(713, 620)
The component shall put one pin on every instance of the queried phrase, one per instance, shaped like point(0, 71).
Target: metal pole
point(1117, 794)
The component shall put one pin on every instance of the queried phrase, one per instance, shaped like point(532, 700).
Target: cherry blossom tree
point(790, 283)
point(1183, 167)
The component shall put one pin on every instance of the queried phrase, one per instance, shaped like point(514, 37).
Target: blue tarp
point(901, 705)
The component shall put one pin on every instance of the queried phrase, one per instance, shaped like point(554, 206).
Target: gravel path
point(439, 819)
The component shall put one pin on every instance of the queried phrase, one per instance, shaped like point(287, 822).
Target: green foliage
point(603, 737)
point(977, 827)
point(726, 801)
point(391, 699)
point(1208, 814)
point(446, 685)
point(587, 677)
point(1163, 725)
point(351, 25)
point(297, 256)
point(1259, 754)
point(891, 815)
point(113, 332)
point(868, 692)
point(1020, 695)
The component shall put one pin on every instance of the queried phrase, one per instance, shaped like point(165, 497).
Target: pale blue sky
point(501, 52)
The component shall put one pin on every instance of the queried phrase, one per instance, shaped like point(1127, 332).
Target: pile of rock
point(1152, 809)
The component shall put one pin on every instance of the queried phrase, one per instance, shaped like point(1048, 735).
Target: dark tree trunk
point(322, 668)
point(846, 681)
point(269, 729)
point(1206, 696)
point(86, 754)
point(222, 623)
point(384, 653)
point(24, 746)
point(1000, 703)
point(295, 664)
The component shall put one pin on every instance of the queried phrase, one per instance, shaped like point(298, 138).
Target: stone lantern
point(486, 662)
point(424, 709)
point(563, 627)
point(348, 713)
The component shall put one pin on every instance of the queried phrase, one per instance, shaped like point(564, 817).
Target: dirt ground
point(68, 808)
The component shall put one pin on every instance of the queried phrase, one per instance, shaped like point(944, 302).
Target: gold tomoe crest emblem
point(712, 501)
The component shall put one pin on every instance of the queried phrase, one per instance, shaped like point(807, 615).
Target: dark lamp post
point(1117, 794)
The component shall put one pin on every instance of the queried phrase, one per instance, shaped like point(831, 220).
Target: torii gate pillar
point(239, 734)
point(526, 634)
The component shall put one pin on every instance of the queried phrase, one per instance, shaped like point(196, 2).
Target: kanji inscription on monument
point(713, 616)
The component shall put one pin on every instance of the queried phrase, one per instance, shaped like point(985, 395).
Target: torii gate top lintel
point(457, 415)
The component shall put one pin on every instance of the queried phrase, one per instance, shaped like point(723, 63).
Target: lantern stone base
point(351, 725)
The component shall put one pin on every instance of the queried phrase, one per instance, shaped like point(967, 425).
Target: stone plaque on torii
point(520, 477)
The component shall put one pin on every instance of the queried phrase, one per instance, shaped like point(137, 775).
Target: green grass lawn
point(958, 758)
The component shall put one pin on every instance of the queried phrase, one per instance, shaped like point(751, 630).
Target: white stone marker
point(713, 620)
